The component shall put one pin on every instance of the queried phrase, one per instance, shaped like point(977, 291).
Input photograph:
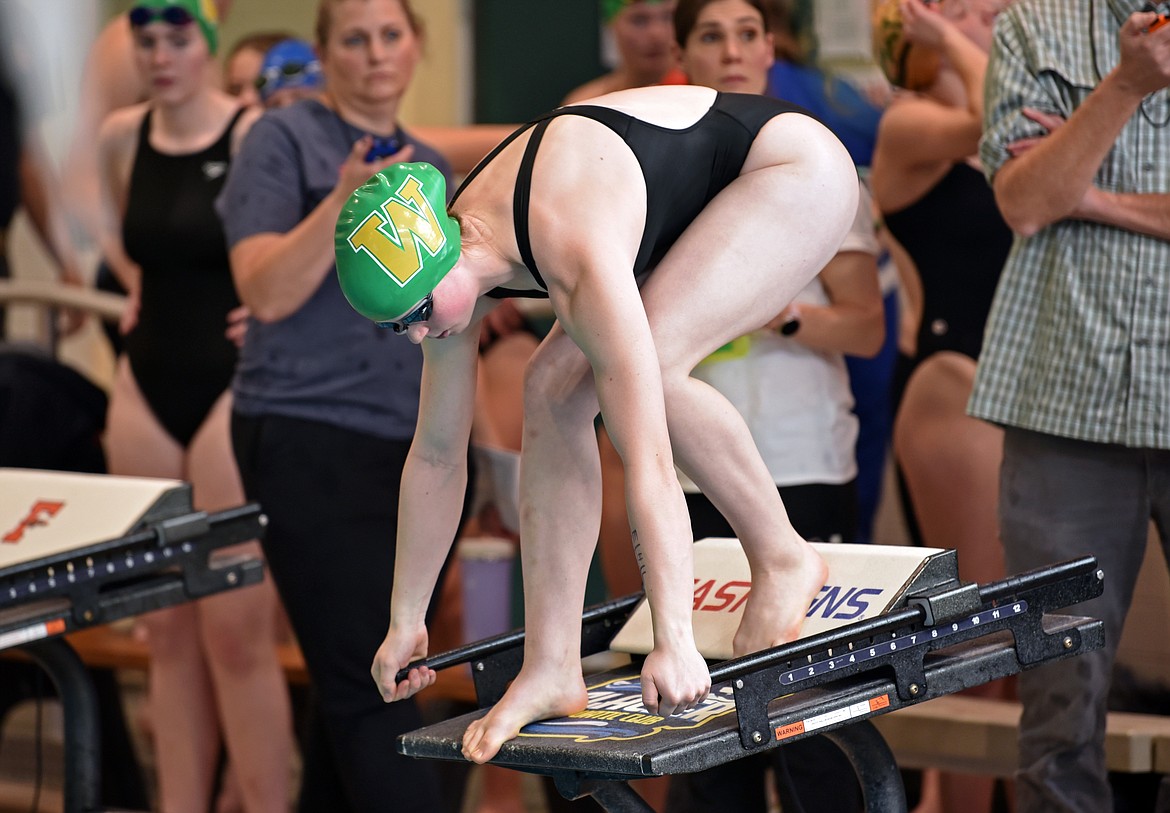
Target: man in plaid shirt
point(1076, 360)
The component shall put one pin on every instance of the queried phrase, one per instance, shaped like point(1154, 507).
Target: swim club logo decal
point(39, 515)
point(615, 712)
point(395, 234)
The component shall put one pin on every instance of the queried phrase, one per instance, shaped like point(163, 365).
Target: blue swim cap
point(291, 63)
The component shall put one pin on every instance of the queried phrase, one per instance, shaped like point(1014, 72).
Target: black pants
point(820, 512)
point(812, 775)
point(331, 497)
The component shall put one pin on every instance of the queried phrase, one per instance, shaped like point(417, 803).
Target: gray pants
point(1060, 499)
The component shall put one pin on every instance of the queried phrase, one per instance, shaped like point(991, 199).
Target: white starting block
point(78, 550)
point(892, 627)
point(84, 549)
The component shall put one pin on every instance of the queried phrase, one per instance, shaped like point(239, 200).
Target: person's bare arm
point(926, 26)
point(853, 322)
point(608, 322)
point(110, 81)
point(42, 202)
point(276, 273)
point(116, 144)
point(910, 296)
point(434, 480)
point(1147, 213)
point(1144, 214)
point(597, 303)
point(40, 196)
point(918, 136)
point(1050, 181)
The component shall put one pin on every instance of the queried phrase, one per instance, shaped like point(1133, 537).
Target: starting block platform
point(77, 550)
point(877, 639)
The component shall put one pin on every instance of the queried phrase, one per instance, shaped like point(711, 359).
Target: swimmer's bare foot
point(779, 600)
point(532, 696)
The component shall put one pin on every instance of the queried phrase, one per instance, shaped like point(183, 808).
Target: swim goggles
point(419, 313)
point(172, 15)
point(280, 75)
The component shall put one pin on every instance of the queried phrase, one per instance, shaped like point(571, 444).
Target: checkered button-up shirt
point(1078, 341)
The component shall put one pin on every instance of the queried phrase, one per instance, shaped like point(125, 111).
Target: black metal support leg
point(80, 714)
point(613, 796)
point(874, 764)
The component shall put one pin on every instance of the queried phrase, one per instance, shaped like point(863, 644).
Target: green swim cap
point(203, 12)
point(394, 241)
point(611, 8)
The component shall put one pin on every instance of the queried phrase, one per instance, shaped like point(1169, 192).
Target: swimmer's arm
point(40, 194)
point(608, 322)
point(109, 81)
point(921, 131)
point(585, 238)
point(434, 481)
point(434, 478)
point(918, 131)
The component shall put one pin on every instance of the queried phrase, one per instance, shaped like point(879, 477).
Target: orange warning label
point(835, 717)
point(790, 730)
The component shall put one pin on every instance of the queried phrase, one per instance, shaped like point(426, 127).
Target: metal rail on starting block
point(897, 631)
point(78, 550)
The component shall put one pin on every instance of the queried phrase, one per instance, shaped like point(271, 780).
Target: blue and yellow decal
point(615, 712)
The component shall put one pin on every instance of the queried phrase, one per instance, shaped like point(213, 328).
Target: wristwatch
point(790, 325)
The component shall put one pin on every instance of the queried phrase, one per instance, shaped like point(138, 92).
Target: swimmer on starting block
point(661, 223)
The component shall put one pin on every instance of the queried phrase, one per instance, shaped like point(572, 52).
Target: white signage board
point(864, 581)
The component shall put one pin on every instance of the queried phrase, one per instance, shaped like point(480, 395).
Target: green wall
point(530, 53)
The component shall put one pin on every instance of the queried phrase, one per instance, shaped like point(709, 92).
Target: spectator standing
point(214, 667)
point(1077, 351)
point(325, 402)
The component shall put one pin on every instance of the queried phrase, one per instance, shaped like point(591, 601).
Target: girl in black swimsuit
point(938, 206)
point(760, 199)
point(214, 667)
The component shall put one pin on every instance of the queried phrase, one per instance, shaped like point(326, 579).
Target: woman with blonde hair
point(325, 403)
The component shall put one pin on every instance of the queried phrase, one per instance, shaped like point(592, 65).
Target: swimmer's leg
point(754, 247)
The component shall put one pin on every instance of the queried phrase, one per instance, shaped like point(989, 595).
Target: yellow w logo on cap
point(395, 233)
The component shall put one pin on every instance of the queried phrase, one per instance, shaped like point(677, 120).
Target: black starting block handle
point(496, 661)
point(901, 641)
point(1055, 587)
point(182, 545)
point(1049, 588)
